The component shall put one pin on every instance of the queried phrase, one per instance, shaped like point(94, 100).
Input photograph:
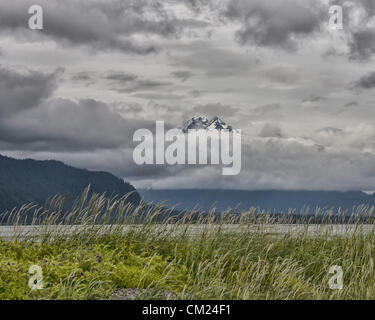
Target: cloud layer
point(302, 94)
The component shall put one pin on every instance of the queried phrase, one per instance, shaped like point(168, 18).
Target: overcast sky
point(302, 94)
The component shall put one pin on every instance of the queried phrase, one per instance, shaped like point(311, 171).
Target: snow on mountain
point(201, 122)
point(218, 124)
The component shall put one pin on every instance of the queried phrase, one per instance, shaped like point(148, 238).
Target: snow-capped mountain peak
point(218, 124)
point(201, 122)
point(196, 123)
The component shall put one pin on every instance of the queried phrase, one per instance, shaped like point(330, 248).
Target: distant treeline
point(275, 201)
point(25, 181)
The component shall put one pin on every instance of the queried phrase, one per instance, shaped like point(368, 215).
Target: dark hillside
point(24, 181)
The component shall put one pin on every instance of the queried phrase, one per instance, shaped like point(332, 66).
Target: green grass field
point(169, 261)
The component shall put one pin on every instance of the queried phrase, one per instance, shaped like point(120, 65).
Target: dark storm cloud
point(20, 91)
point(98, 135)
point(273, 23)
point(277, 24)
point(366, 82)
point(362, 44)
point(360, 33)
point(63, 124)
point(284, 24)
point(128, 26)
point(32, 119)
point(102, 25)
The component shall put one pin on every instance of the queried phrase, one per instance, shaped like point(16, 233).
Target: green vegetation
point(259, 257)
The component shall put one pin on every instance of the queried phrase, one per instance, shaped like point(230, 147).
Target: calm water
point(282, 229)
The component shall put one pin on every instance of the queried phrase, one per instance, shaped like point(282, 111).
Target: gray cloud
point(157, 96)
point(62, 124)
point(142, 85)
point(273, 24)
point(102, 25)
point(285, 75)
point(366, 82)
point(270, 130)
point(351, 104)
point(285, 24)
point(121, 77)
point(124, 82)
point(127, 107)
point(360, 34)
point(313, 99)
point(20, 91)
point(131, 26)
point(330, 130)
point(82, 76)
point(196, 93)
point(213, 109)
point(199, 56)
point(285, 164)
point(32, 119)
point(255, 84)
point(183, 75)
point(362, 44)
point(267, 109)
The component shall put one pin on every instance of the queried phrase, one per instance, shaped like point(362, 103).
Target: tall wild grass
point(104, 245)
